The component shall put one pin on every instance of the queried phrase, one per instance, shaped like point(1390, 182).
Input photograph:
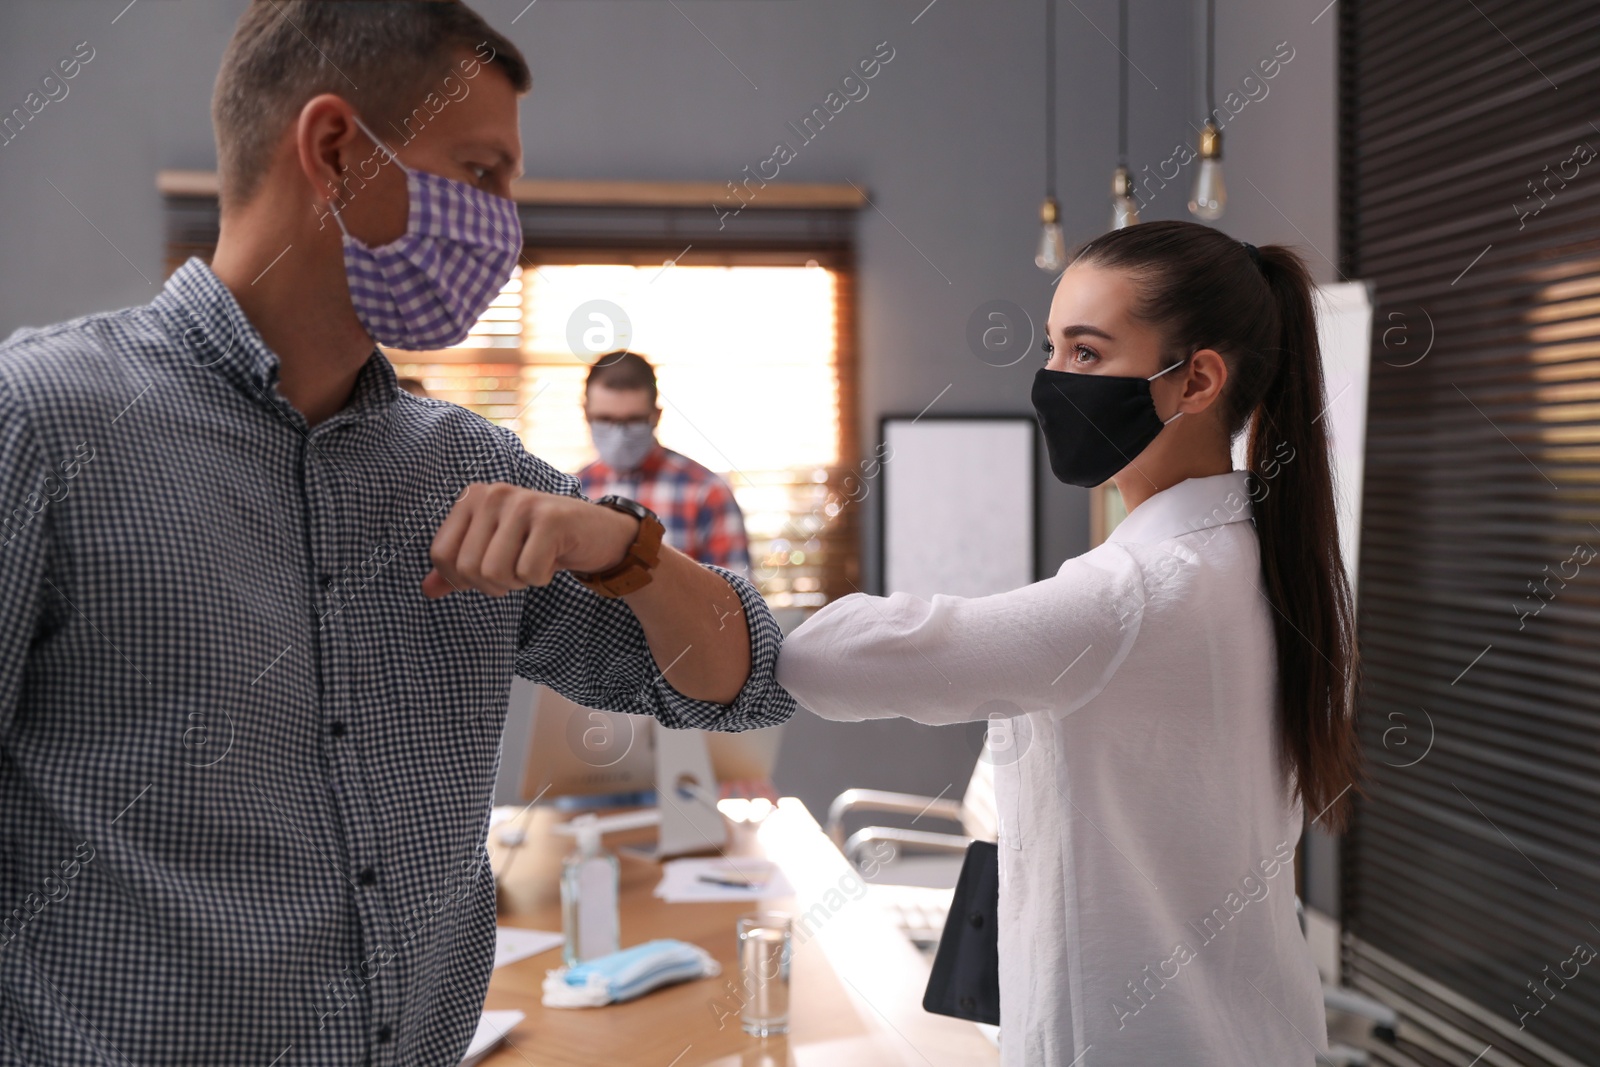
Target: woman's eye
point(1049, 349)
point(1078, 354)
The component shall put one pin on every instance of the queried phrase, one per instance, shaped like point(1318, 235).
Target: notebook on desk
point(492, 1029)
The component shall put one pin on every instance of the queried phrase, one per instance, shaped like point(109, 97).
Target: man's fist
point(501, 537)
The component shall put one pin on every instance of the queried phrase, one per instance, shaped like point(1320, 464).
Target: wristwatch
point(638, 564)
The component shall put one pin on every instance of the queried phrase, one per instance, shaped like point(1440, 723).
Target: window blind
point(1470, 197)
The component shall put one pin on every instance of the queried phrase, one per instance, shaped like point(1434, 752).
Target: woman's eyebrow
point(1082, 329)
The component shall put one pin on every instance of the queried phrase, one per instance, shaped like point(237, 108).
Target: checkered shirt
point(245, 765)
point(697, 508)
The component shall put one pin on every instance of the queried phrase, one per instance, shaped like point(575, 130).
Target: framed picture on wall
point(959, 504)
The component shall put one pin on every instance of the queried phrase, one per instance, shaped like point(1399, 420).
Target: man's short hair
point(622, 370)
point(384, 56)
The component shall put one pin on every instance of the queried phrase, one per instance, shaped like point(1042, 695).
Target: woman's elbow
point(806, 671)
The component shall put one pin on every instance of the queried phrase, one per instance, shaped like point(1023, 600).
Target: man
point(260, 609)
point(701, 516)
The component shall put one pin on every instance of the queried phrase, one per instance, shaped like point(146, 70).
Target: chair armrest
point(881, 800)
point(911, 840)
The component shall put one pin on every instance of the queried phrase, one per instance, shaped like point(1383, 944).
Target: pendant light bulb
point(1052, 254)
point(1124, 208)
point(1210, 197)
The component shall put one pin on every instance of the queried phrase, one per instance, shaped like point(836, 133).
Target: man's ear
point(324, 134)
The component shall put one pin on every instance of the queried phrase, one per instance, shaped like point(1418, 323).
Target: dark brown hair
point(1201, 289)
point(622, 370)
point(384, 56)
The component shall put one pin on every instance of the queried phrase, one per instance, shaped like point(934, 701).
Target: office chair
point(1385, 1021)
point(916, 879)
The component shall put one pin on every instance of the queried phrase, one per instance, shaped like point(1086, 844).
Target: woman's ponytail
point(1204, 289)
point(1301, 564)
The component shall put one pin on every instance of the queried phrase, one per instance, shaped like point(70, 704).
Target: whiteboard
point(958, 505)
point(1344, 333)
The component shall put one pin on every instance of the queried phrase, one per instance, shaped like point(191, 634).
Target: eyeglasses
point(637, 420)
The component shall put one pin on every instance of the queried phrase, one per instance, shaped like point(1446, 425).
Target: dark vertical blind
point(1470, 196)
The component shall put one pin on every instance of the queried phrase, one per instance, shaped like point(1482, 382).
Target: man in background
point(702, 519)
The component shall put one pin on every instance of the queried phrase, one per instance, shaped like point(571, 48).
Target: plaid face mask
point(426, 289)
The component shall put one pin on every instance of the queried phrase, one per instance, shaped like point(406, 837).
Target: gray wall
point(1279, 152)
point(947, 143)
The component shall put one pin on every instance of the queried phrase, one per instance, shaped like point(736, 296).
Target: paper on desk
point(492, 1026)
point(512, 944)
point(681, 884)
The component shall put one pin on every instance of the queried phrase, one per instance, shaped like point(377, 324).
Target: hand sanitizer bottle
point(589, 918)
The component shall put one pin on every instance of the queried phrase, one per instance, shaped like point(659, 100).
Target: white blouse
point(1147, 833)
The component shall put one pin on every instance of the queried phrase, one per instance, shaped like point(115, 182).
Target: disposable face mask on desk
point(625, 975)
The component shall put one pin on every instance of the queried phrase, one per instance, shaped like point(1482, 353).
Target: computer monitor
point(574, 751)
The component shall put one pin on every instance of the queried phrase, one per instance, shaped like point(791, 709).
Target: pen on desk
point(734, 881)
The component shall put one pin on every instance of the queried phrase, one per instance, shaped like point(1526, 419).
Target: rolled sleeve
point(593, 651)
point(762, 701)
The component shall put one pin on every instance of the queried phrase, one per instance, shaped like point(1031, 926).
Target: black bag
point(965, 981)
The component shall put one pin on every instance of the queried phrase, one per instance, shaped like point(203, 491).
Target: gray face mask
point(622, 446)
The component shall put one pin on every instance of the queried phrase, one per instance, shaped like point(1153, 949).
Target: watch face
point(622, 503)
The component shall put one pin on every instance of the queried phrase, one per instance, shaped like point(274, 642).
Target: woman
point(1175, 699)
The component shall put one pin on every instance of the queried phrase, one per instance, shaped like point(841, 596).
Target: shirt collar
point(214, 332)
point(1191, 505)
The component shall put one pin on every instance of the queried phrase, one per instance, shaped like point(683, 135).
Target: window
point(751, 334)
point(748, 362)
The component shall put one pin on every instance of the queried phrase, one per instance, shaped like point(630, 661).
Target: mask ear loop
point(338, 216)
point(1158, 374)
point(375, 139)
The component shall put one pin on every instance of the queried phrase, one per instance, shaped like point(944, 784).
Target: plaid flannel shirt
point(696, 507)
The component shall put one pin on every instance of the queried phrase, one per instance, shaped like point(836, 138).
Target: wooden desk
point(856, 982)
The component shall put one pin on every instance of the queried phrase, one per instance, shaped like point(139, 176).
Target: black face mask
point(1095, 424)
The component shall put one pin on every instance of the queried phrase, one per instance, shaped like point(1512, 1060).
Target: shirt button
point(967, 1004)
point(368, 876)
point(384, 1034)
point(977, 919)
point(336, 729)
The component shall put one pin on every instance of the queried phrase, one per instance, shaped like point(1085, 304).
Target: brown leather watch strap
point(637, 566)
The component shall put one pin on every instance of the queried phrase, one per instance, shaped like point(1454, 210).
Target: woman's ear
point(1203, 385)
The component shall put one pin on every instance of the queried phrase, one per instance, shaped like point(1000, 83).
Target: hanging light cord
point(1211, 58)
point(1050, 98)
point(1122, 83)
